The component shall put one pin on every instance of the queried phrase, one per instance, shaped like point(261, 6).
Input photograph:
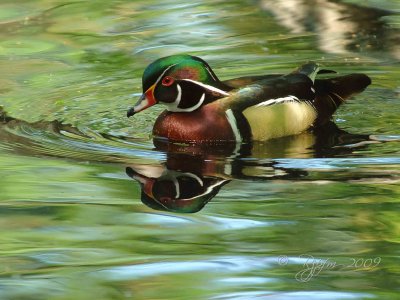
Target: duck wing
point(272, 107)
point(275, 106)
point(274, 89)
point(240, 82)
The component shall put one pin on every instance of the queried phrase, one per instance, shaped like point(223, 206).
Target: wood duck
point(202, 109)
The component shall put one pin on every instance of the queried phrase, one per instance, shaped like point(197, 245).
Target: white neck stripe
point(179, 96)
point(197, 105)
point(174, 105)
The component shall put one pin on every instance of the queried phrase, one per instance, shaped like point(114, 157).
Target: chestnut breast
point(207, 124)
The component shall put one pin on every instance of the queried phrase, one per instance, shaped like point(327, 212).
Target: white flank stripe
point(232, 122)
point(208, 87)
point(278, 100)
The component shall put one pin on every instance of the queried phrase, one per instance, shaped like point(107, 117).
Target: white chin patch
point(142, 105)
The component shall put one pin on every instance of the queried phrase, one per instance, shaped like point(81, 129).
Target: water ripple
point(335, 163)
point(317, 295)
point(231, 264)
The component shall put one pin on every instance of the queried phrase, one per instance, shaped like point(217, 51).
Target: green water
point(306, 217)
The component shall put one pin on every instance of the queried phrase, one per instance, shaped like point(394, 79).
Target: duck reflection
point(177, 190)
point(193, 174)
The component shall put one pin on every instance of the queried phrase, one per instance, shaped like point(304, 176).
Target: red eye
point(167, 81)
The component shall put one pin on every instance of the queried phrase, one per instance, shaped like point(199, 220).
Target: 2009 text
point(312, 266)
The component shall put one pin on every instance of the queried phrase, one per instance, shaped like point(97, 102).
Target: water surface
point(308, 217)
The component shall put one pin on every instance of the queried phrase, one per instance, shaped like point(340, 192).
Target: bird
point(201, 108)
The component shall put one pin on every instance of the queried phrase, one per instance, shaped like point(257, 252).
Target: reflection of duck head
point(177, 191)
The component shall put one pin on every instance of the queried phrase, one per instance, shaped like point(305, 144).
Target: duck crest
point(181, 67)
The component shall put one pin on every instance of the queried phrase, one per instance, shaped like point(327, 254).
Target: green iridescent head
point(181, 66)
point(182, 82)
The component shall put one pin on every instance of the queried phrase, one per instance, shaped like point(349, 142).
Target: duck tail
point(332, 92)
point(310, 69)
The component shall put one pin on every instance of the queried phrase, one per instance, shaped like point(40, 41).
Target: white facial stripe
point(211, 73)
point(162, 74)
point(179, 96)
point(177, 188)
point(208, 87)
point(278, 100)
point(232, 121)
point(174, 105)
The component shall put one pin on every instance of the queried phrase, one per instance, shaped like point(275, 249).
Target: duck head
point(183, 83)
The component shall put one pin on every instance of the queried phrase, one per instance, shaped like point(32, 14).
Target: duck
point(201, 108)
